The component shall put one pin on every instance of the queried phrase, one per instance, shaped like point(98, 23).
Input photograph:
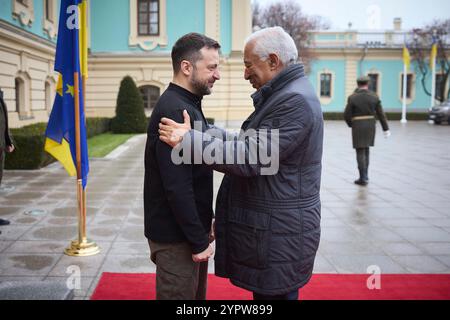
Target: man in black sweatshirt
point(178, 198)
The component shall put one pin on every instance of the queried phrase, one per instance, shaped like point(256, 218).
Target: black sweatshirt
point(177, 198)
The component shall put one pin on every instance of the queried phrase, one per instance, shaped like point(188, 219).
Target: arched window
point(150, 94)
point(49, 95)
point(20, 95)
point(23, 95)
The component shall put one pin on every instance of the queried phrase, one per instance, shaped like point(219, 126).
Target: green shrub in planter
point(130, 114)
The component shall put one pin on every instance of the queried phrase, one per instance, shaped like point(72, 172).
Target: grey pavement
point(400, 222)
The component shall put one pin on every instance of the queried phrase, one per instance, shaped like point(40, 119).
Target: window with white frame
point(440, 87)
point(148, 17)
point(409, 86)
point(325, 85)
point(373, 83)
point(148, 24)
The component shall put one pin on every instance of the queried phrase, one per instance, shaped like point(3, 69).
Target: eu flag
point(67, 117)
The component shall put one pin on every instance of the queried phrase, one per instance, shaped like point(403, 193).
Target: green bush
point(29, 148)
point(130, 114)
point(30, 141)
point(96, 126)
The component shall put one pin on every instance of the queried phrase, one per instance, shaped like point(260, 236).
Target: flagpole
point(405, 84)
point(81, 247)
point(433, 79)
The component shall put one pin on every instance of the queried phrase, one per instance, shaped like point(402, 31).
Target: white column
point(242, 24)
point(212, 19)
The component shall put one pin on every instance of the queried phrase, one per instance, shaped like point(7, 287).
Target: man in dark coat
point(6, 144)
point(178, 198)
point(359, 114)
point(267, 212)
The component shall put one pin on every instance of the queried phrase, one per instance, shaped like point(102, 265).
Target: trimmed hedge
point(29, 148)
point(413, 116)
point(29, 142)
point(130, 114)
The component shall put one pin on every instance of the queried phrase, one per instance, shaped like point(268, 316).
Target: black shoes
point(361, 182)
point(363, 178)
point(3, 222)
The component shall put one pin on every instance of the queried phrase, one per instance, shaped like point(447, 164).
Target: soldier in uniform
point(362, 106)
point(6, 144)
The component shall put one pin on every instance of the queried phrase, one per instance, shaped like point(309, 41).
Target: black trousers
point(362, 156)
point(2, 163)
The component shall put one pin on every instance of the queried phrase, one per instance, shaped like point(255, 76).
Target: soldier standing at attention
point(359, 114)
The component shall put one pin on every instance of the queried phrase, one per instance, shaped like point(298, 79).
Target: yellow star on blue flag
point(70, 90)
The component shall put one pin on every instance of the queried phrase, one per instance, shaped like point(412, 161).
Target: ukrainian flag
point(406, 57)
point(433, 54)
point(71, 64)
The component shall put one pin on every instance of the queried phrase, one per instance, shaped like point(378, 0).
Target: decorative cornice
point(18, 34)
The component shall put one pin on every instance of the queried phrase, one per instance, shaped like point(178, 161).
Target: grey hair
point(274, 40)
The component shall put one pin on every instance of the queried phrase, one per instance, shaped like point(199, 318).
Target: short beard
point(201, 88)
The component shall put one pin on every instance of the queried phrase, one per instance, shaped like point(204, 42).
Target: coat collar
point(193, 98)
point(289, 74)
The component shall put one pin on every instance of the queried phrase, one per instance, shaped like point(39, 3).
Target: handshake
point(386, 134)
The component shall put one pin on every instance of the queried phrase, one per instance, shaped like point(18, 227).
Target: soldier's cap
point(363, 79)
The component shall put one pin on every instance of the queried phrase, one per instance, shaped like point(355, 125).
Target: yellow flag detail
point(433, 55)
point(62, 153)
point(59, 86)
point(406, 57)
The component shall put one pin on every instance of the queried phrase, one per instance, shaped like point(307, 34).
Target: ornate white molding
point(50, 26)
point(148, 43)
point(23, 13)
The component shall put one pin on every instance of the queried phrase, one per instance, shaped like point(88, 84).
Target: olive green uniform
point(362, 107)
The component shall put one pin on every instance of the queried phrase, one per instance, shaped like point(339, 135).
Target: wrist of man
point(201, 248)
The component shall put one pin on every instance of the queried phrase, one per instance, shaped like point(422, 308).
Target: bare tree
point(289, 15)
point(420, 48)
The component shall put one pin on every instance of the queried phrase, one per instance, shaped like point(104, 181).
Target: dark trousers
point(362, 156)
point(177, 276)
point(2, 163)
point(289, 296)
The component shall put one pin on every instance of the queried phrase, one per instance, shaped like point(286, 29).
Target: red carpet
point(130, 286)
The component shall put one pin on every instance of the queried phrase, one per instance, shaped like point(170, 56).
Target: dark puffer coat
point(268, 226)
